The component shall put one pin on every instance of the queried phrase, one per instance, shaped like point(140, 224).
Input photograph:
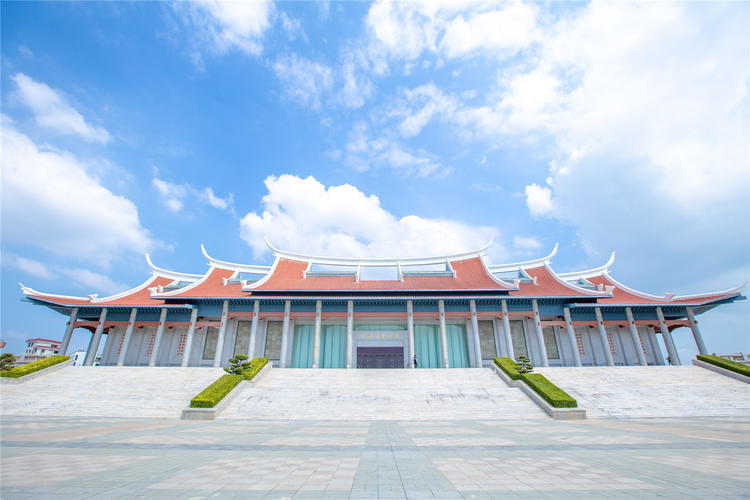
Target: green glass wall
point(458, 349)
point(333, 346)
point(427, 346)
point(304, 343)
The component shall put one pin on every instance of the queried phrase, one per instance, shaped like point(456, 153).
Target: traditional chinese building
point(324, 312)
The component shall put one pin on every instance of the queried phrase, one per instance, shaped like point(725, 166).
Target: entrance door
point(380, 357)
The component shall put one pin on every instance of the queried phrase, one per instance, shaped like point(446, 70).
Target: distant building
point(39, 348)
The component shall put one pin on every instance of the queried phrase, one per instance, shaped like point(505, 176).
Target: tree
point(524, 365)
point(6, 361)
point(239, 364)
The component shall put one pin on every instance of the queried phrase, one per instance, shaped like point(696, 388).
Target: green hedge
point(726, 364)
point(34, 366)
point(214, 393)
point(549, 391)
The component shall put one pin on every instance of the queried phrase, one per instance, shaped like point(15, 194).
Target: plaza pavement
point(78, 457)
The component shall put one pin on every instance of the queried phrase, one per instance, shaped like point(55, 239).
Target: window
point(209, 346)
point(550, 343)
point(273, 340)
point(611, 344)
point(518, 338)
point(579, 341)
point(487, 339)
point(242, 341)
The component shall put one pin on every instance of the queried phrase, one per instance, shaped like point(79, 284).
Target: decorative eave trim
point(265, 278)
point(517, 266)
point(713, 295)
point(589, 273)
point(174, 275)
point(30, 291)
point(96, 300)
point(233, 266)
point(502, 283)
point(192, 285)
point(607, 292)
point(667, 297)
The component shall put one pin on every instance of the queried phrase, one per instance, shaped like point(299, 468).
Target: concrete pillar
point(68, 331)
point(603, 335)
point(636, 337)
point(159, 333)
point(285, 333)
point(671, 349)
point(94, 343)
point(475, 330)
point(572, 337)
point(443, 333)
point(349, 331)
point(539, 333)
point(410, 329)
point(496, 333)
point(253, 330)
point(506, 329)
point(316, 345)
point(659, 358)
point(189, 339)
point(222, 334)
point(696, 332)
point(128, 336)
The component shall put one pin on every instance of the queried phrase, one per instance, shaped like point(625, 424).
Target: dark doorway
point(380, 357)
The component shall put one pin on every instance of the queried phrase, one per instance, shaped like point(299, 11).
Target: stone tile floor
point(69, 457)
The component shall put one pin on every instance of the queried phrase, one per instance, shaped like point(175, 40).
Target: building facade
point(37, 349)
point(450, 311)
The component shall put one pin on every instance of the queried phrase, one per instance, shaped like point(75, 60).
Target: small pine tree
point(524, 365)
point(6, 361)
point(239, 364)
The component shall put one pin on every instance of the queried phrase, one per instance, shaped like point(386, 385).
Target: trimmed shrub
point(509, 367)
point(214, 393)
point(726, 364)
point(34, 366)
point(549, 391)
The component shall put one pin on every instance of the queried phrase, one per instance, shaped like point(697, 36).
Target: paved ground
point(66, 457)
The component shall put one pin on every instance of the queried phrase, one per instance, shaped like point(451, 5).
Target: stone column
point(189, 339)
point(222, 333)
point(159, 333)
point(603, 335)
point(443, 333)
point(654, 342)
point(506, 329)
point(128, 335)
point(94, 344)
point(253, 330)
point(636, 337)
point(475, 330)
point(572, 336)
point(349, 331)
point(68, 331)
point(696, 331)
point(410, 329)
point(316, 344)
point(285, 333)
point(671, 349)
point(539, 333)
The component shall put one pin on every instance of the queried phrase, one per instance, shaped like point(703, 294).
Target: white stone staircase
point(108, 391)
point(652, 391)
point(339, 394)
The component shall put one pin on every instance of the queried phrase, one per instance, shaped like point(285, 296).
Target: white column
point(410, 328)
point(285, 333)
point(68, 331)
point(222, 333)
point(94, 344)
point(443, 333)
point(128, 336)
point(253, 330)
point(668, 341)
point(506, 329)
point(189, 339)
point(349, 331)
point(572, 337)
point(539, 333)
point(636, 337)
point(159, 333)
point(658, 355)
point(603, 335)
point(696, 331)
point(316, 344)
point(475, 329)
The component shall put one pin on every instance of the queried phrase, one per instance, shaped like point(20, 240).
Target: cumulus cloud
point(51, 201)
point(305, 81)
point(174, 195)
point(526, 243)
point(51, 110)
point(28, 266)
point(538, 199)
point(307, 216)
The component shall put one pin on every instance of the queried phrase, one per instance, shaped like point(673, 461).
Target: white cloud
point(222, 203)
point(96, 282)
point(51, 201)
point(27, 52)
point(538, 200)
point(430, 101)
point(306, 216)
point(292, 27)
point(52, 111)
point(29, 266)
point(526, 243)
point(304, 81)
point(172, 194)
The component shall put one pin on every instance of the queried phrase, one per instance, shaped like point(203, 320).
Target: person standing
point(415, 361)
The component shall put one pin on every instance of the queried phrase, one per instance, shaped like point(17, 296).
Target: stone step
point(339, 394)
point(651, 391)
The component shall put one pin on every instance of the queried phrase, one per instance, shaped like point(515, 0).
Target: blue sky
point(374, 129)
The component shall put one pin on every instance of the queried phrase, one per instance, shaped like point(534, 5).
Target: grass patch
point(214, 393)
point(34, 366)
point(726, 364)
point(541, 385)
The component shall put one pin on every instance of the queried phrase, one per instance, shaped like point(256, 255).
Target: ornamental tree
point(524, 365)
point(238, 365)
point(6, 361)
